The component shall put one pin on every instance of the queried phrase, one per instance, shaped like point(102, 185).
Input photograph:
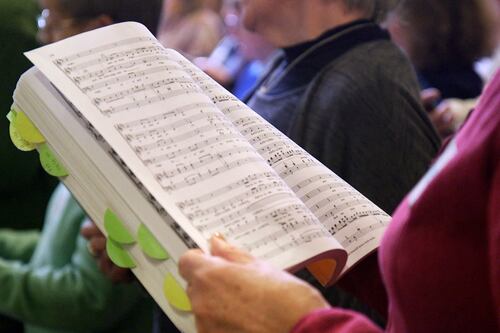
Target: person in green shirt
point(24, 187)
point(48, 279)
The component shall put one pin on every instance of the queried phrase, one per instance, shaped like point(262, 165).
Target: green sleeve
point(18, 245)
point(75, 297)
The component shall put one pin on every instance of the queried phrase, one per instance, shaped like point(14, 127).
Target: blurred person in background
point(337, 80)
point(444, 39)
point(241, 56)
point(25, 187)
point(189, 27)
point(64, 18)
point(452, 112)
point(49, 280)
point(488, 66)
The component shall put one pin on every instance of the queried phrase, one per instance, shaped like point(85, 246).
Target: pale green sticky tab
point(175, 294)
point(50, 163)
point(18, 140)
point(116, 229)
point(150, 245)
point(26, 128)
point(119, 255)
point(11, 115)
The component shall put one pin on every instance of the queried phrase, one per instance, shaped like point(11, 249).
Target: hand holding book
point(217, 285)
point(147, 136)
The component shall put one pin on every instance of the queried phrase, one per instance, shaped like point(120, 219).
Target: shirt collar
point(294, 51)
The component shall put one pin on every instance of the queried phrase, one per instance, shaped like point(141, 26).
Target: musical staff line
point(99, 49)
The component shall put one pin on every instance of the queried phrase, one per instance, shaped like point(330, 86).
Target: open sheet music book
point(145, 134)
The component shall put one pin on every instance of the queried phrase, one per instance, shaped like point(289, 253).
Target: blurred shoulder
point(374, 61)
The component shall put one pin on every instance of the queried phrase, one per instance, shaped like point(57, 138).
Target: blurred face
point(257, 15)
point(54, 24)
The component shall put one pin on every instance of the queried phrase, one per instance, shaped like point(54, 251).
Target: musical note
point(193, 144)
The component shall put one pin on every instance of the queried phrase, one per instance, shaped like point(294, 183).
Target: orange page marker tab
point(150, 245)
point(175, 294)
point(323, 270)
point(119, 255)
point(116, 229)
point(50, 163)
point(26, 128)
point(18, 140)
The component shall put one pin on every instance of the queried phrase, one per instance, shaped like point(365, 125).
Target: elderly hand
point(232, 292)
point(440, 113)
point(97, 248)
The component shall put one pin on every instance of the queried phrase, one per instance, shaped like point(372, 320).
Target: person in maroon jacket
point(440, 257)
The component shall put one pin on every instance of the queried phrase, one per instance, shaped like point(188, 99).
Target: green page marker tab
point(18, 140)
point(50, 163)
point(118, 255)
point(11, 115)
point(26, 128)
point(116, 229)
point(150, 245)
point(175, 294)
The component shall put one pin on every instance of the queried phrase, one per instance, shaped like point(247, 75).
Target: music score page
point(194, 148)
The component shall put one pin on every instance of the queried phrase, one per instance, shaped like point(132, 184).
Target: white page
point(351, 218)
point(179, 145)
point(94, 196)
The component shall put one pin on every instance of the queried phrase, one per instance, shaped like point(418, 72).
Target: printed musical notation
point(190, 145)
point(304, 238)
point(68, 60)
point(350, 242)
point(336, 204)
point(198, 143)
point(191, 149)
point(127, 75)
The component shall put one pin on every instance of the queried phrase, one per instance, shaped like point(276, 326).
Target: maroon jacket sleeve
point(335, 320)
point(365, 282)
point(494, 231)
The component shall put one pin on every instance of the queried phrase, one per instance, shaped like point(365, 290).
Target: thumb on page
point(220, 248)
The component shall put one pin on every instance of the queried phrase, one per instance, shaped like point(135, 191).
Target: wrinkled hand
point(232, 292)
point(440, 113)
point(97, 248)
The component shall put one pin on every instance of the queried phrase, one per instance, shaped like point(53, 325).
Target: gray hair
point(146, 12)
point(374, 9)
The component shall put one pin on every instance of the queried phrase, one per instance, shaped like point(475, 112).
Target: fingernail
point(217, 241)
point(218, 235)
